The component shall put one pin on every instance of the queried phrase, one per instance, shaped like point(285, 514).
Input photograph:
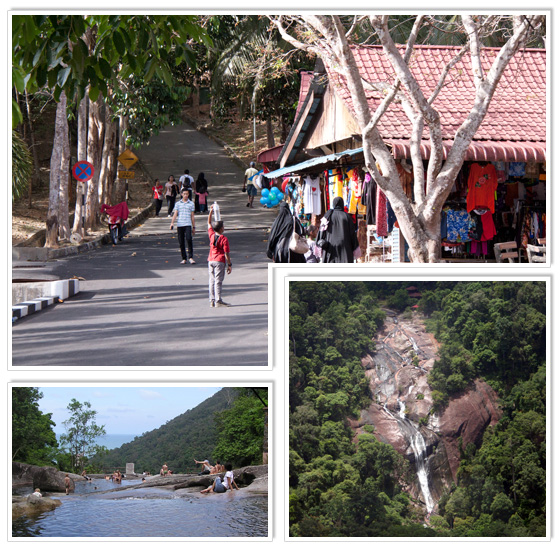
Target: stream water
point(148, 512)
point(389, 360)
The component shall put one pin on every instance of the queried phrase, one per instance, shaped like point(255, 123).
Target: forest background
point(229, 426)
point(491, 330)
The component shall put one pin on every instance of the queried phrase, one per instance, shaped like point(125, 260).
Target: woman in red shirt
point(157, 196)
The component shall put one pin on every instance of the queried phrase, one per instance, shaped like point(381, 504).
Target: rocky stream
point(401, 411)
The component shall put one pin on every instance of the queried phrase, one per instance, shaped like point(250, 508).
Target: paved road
point(138, 306)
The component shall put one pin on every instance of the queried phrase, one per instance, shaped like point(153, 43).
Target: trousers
point(216, 274)
point(184, 234)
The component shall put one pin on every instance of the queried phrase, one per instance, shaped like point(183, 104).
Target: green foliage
point(342, 486)
point(33, 438)
point(400, 300)
point(22, 165)
point(337, 487)
point(179, 442)
point(81, 434)
point(241, 430)
point(54, 51)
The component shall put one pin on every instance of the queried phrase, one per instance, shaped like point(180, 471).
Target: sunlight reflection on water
point(139, 513)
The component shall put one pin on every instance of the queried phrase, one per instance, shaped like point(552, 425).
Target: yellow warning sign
point(126, 175)
point(127, 158)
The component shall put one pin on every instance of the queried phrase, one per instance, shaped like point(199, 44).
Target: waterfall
point(418, 445)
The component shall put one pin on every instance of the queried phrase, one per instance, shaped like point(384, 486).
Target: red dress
point(482, 183)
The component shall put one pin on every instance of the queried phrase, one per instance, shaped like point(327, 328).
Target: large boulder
point(32, 505)
point(45, 478)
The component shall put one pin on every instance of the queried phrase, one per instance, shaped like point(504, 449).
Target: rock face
point(32, 506)
point(467, 417)
point(400, 411)
point(45, 478)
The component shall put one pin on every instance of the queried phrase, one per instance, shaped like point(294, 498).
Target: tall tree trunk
point(196, 97)
point(94, 142)
point(120, 187)
point(82, 152)
point(61, 126)
point(112, 163)
point(269, 133)
point(36, 179)
point(108, 142)
point(63, 214)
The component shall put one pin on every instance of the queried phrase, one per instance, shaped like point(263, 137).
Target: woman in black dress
point(337, 237)
point(279, 238)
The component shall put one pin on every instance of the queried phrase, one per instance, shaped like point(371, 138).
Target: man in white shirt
point(249, 185)
point(183, 212)
point(186, 181)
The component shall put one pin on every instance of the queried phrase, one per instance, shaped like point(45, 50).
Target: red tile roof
point(517, 112)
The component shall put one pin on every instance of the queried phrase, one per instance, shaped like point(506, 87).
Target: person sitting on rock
point(164, 470)
point(218, 468)
point(229, 482)
point(37, 493)
point(216, 487)
point(206, 466)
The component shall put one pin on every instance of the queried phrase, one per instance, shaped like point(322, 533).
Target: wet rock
point(32, 505)
point(44, 477)
point(402, 405)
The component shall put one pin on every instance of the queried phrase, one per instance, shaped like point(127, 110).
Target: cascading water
point(388, 363)
point(418, 445)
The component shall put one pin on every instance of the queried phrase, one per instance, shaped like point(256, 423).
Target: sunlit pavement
point(138, 306)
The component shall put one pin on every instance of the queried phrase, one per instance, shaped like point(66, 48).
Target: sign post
point(83, 171)
point(127, 158)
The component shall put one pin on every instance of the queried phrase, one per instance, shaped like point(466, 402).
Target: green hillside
point(191, 435)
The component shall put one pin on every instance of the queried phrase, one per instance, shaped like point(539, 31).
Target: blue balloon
point(265, 192)
point(274, 190)
point(280, 195)
point(263, 200)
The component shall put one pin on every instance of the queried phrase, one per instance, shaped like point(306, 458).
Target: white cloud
point(150, 395)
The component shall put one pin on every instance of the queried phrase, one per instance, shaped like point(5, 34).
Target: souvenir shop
point(490, 202)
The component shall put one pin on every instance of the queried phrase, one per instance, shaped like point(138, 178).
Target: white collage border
point(275, 372)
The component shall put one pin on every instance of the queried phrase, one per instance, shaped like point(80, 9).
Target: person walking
point(67, 484)
point(201, 189)
point(278, 248)
point(337, 235)
point(157, 196)
point(218, 258)
point(171, 192)
point(249, 185)
point(183, 212)
point(186, 181)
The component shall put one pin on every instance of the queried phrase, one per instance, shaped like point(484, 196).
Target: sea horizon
point(111, 441)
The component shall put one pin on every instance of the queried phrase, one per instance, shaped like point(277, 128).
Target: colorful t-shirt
point(219, 250)
point(482, 184)
point(158, 192)
point(184, 211)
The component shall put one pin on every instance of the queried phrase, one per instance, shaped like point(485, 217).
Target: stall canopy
point(317, 161)
point(479, 150)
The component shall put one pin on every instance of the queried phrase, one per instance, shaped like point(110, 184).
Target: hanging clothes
point(381, 214)
point(482, 184)
point(312, 196)
point(458, 223)
point(369, 198)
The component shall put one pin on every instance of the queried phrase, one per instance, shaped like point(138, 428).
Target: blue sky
point(124, 410)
